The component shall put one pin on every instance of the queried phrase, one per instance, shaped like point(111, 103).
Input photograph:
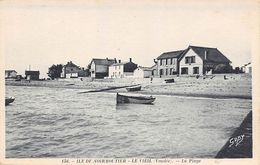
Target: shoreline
point(239, 87)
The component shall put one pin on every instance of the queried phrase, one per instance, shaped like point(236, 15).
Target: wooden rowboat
point(9, 100)
point(134, 88)
point(121, 99)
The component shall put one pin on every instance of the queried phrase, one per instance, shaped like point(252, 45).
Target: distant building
point(10, 74)
point(98, 68)
point(84, 72)
point(247, 68)
point(155, 70)
point(122, 69)
point(201, 60)
point(32, 75)
point(70, 70)
point(167, 63)
point(143, 72)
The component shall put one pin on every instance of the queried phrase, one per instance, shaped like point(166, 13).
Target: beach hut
point(32, 75)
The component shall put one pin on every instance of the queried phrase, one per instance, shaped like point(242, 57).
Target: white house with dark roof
point(70, 70)
point(200, 60)
point(167, 63)
point(99, 67)
point(122, 69)
point(10, 74)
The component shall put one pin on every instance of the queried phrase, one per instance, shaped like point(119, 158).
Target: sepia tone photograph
point(150, 80)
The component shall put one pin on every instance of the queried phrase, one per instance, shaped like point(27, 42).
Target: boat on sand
point(134, 88)
point(9, 100)
point(169, 80)
point(121, 99)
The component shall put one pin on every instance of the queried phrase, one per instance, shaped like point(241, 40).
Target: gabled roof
point(146, 68)
point(71, 64)
point(247, 64)
point(213, 54)
point(103, 61)
point(10, 71)
point(121, 63)
point(172, 54)
point(29, 72)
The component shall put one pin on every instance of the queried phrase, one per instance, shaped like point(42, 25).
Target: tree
point(222, 68)
point(55, 71)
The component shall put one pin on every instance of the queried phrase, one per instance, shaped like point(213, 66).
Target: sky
point(41, 33)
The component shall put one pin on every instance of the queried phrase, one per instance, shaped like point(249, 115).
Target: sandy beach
point(236, 86)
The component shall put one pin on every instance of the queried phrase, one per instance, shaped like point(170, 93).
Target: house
point(32, 75)
point(84, 72)
point(10, 74)
point(201, 60)
point(247, 68)
point(167, 63)
point(70, 70)
point(99, 67)
point(143, 72)
point(122, 69)
point(155, 69)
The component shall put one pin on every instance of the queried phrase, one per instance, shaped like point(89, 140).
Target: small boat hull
point(169, 80)
point(9, 100)
point(135, 88)
point(122, 99)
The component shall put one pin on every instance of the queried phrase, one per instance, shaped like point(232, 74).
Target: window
point(166, 71)
point(184, 70)
point(160, 61)
point(196, 70)
point(171, 61)
point(171, 71)
point(193, 59)
point(186, 60)
point(166, 61)
point(161, 72)
point(189, 60)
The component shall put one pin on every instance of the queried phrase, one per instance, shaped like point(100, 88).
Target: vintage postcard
point(129, 82)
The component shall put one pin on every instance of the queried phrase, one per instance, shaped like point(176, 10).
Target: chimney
point(206, 54)
point(119, 61)
point(115, 60)
point(130, 59)
point(107, 59)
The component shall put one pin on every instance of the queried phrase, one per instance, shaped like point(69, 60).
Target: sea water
point(55, 122)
